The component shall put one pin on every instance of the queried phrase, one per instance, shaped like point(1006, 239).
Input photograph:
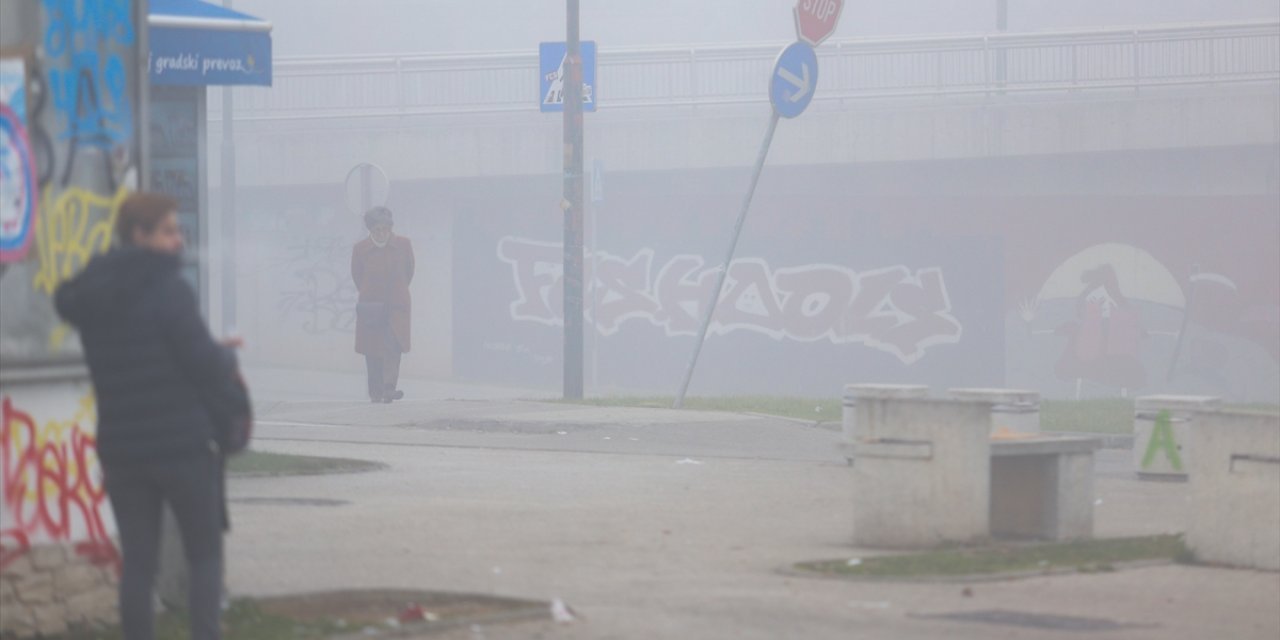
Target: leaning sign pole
point(791, 87)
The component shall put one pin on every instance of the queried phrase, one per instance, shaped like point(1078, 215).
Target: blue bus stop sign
point(794, 80)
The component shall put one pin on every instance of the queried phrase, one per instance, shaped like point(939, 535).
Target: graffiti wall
point(77, 90)
point(813, 299)
point(69, 141)
point(1074, 276)
point(49, 476)
point(1093, 275)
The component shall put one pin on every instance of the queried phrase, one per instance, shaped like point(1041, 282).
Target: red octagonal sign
point(816, 19)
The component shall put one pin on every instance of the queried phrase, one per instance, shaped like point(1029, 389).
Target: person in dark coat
point(151, 359)
point(382, 267)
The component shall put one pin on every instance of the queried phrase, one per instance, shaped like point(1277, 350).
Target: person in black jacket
point(152, 359)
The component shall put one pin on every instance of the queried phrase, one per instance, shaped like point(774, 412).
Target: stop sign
point(816, 19)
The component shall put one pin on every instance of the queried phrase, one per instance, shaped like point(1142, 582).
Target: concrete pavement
point(659, 524)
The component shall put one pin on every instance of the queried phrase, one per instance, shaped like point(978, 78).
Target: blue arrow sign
point(794, 80)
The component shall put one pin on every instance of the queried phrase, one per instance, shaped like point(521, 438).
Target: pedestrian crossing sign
point(551, 59)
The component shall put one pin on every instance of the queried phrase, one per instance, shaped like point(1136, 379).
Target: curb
point(976, 578)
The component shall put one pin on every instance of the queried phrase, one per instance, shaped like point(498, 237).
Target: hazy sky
point(405, 26)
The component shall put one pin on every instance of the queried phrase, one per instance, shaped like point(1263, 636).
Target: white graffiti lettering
point(890, 309)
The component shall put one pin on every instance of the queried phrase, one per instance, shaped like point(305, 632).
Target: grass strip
point(255, 463)
point(243, 620)
point(1083, 555)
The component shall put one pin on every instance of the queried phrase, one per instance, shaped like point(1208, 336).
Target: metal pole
point(728, 260)
point(228, 210)
point(573, 197)
point(593, 219)
point(1186, 317)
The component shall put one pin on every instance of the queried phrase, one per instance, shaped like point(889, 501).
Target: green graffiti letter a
point(1162, 439)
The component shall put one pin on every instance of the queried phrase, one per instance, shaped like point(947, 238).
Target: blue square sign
point(551, 76)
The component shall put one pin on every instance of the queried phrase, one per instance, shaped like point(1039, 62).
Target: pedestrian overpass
point(1078, 212)
point(885, 99)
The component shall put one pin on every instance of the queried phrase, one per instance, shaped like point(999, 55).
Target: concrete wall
point(1235, 489)
point(1033, 253)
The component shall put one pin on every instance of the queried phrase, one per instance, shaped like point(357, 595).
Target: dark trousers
point(191, 486)
point(384, 368)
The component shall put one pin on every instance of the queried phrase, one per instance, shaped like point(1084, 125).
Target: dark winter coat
point(149, 353)
point(382, 276)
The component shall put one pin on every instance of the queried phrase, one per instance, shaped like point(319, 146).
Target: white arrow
point(801, 84)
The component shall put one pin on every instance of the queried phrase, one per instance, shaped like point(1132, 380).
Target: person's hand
point(234, 342)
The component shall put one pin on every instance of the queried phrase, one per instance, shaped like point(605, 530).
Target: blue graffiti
point(85, 42)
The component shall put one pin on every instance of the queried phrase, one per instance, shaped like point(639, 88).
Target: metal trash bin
point(849, 404)
point(1160, 430)
point(1016, 410)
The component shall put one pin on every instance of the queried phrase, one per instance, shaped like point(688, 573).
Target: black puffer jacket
point(149, 353)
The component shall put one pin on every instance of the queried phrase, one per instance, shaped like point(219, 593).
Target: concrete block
point(50, 619)
point(19, 566)
point(76, 578)
point(1235, 489)
point(35, 589)
point(48, 557)
point(18, 621)
point(97, 606)
point(922, 476)
point(1075, 501)
point(1015, 410)
point(1160, 428)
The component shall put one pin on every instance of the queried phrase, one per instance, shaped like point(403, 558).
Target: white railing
point(1132, 58)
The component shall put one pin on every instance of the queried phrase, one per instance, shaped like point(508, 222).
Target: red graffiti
point(891, 309)
point(1106, 336)
point(49, 484)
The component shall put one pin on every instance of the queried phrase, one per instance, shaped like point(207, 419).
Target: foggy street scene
point(591, 320)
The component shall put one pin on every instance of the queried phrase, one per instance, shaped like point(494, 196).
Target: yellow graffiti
point(73, 228)
point(58, 335)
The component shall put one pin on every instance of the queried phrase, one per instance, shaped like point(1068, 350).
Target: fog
point(939, 290)
point(339, 27)
point(923, 222)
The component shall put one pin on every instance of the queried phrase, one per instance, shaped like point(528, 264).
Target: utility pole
point(572, 205)
point(228, 210)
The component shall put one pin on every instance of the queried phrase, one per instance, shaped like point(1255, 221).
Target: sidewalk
point(654, 523)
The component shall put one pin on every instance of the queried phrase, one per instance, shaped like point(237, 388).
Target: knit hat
point(376, 216)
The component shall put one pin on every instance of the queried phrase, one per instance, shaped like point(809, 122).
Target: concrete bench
point(1015, 410)
point(1160, 428)
point(1235, 489)
point(929, 473)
